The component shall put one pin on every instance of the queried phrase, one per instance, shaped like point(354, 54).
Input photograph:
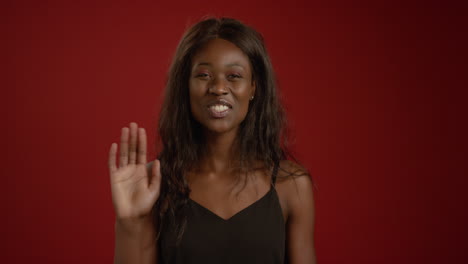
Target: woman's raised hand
point(134, 191)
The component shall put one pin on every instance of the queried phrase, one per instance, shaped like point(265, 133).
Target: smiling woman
point(223, 189)
point(223, 71)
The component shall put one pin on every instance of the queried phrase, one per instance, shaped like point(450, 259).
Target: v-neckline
point(236, 214)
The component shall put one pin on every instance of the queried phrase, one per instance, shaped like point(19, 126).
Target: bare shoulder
point(291, 174)
point(295, 187)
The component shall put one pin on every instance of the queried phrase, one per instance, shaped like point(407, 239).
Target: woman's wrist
point(135, 227)
point(135, 240)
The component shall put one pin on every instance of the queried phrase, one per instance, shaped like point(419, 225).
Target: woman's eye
point(202, 75)
point(234, 76)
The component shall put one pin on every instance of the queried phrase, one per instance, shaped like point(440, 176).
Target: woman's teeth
point(219, 108)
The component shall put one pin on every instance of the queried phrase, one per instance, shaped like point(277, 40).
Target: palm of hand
point(134, 192)
point(130, 185)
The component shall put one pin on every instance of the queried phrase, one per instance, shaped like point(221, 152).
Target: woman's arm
point(300, 225)
point(135, 189)
point(135, 241)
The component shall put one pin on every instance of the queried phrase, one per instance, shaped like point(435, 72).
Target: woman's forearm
point(135, 241)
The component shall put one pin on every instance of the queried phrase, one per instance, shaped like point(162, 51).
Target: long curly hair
point(261, 136)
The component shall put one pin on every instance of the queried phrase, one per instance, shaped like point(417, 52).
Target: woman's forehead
point(220, 53)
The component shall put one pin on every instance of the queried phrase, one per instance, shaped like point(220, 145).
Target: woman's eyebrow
point(203, 64)
point(234, 65)
point(226, 65)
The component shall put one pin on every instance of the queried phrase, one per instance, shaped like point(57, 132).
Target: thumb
point(155, 183)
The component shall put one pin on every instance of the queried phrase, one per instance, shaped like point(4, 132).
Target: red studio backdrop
point(372, 90)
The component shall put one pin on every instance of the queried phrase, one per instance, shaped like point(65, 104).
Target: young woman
point(223, 189)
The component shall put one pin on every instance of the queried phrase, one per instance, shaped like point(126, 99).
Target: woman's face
point(220, 86)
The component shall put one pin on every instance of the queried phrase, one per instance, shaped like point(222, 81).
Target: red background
point(373, 92)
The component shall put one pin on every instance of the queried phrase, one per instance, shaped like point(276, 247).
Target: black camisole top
point(256, 234)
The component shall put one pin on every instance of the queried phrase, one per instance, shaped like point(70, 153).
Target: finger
point(141, 146)
point(112, 154)
point(155, 177)
point(124, 147)
point(133, 143)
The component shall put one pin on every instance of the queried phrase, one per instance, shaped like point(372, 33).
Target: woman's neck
point(219, 152)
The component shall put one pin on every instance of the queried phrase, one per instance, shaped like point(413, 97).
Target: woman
point(222, 189)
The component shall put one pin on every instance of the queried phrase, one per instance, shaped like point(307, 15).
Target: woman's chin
point(219, 129)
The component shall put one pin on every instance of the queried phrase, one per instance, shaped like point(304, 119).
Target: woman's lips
point(219, 111)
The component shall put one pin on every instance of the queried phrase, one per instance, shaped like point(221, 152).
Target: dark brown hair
point(261, 135)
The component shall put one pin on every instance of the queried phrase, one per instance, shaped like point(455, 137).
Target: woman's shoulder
point(289, 168)
point(294, 186)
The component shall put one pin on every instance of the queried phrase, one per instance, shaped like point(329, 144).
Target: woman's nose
point(219, 87)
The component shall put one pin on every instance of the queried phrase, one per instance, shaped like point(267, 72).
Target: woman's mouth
point(218, 110)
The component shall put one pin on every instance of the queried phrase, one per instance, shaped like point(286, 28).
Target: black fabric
point(256, 234)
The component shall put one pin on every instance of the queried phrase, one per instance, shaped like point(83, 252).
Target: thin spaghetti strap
point(275, 171)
